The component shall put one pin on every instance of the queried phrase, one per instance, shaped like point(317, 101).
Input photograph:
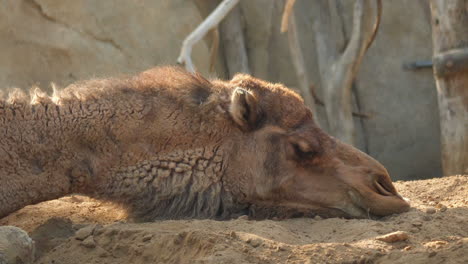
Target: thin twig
point(288, 7)
point(376, 25)
point(315, 96)
point(214, 48)
point(362, 115)
point(320, 102)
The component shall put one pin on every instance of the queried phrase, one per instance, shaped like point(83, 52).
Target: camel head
point(284, 165)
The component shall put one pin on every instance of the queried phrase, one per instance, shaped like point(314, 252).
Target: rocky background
point(45, 41)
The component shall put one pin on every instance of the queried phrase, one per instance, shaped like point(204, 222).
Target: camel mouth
point(377, 200)
point(383, 190)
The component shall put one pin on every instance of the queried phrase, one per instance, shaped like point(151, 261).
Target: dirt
point(78, 229)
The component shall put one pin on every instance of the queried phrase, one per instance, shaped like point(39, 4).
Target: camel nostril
point(382, 190)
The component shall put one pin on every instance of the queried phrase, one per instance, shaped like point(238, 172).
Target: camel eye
point(303, 151)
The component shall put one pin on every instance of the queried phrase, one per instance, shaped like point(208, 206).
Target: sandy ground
point(77, 229)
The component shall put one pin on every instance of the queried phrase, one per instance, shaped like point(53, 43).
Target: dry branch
point(214, 48)
point(209, 23)
point(375, 29)
point(288, 9)
point(319, 102)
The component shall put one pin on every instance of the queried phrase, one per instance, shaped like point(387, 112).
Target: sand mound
point(77, 229)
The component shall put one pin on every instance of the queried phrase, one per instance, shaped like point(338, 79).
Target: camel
point(169, 144)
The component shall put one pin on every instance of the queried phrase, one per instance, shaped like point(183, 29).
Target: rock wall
point(44, 41)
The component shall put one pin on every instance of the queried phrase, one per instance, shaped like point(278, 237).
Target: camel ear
point(244, 109)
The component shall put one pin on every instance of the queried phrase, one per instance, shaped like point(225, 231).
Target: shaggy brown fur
point(169, 144)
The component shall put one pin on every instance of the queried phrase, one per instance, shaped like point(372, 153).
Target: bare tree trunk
point(232, 37)
point(338, 70)
point(450, 41)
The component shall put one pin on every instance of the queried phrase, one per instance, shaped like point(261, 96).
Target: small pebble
point(243, 217)
point(254, 242)
point(426, 218)
point(147, 237)
point(233, 234)
point(363, 259)
point(417, 223)
point(430, 210)
point(103, 254)
point(84, 232)
point(393, 237)
point(89, 242)
point(280, 248)
point(180, 237)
